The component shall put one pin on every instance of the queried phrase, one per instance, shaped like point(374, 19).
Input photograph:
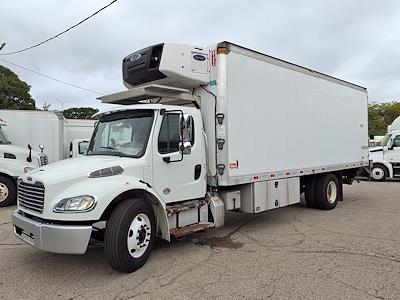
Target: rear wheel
point(130, 235)
point(379, 172)
point(327, 192)
point(8, 193)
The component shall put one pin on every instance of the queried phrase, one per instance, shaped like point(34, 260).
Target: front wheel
point(379, 172)
point(8, 193)
point(130, 235)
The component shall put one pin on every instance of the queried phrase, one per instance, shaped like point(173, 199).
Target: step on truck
point(199, 131)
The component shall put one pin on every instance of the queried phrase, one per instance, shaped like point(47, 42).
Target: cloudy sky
point(358, 41)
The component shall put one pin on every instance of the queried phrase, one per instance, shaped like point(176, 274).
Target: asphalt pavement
point(352, 252)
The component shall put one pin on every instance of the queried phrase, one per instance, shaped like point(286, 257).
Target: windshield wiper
point(113, 149)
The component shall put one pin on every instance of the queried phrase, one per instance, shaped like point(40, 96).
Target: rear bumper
point(65, 239)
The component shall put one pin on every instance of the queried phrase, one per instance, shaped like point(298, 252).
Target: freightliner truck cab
point(386, 158)
point(145, 163)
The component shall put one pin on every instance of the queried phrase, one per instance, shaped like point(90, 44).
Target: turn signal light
point(222, 50)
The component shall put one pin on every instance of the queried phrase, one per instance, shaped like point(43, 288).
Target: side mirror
point(186, 148)
point(187, 134)
point(385, 148)
point(390, 144)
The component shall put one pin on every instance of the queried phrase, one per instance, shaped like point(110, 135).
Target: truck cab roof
point(153, 106)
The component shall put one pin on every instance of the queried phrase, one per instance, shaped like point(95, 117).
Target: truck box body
point(282, 120)
point(49, 129)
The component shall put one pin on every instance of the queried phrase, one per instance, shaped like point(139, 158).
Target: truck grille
point(43, 160)
point(31, 196)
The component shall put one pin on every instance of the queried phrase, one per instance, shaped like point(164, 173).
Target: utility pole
point(62, 102)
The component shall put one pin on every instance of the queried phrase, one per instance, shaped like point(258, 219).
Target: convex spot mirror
point(187, 130)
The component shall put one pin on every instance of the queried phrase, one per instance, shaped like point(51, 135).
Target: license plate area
point(28, 237)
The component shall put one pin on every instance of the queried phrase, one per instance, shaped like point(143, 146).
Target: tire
point(130, 235)
point(309, 192)
point(8, 191)
point(327, 192)
point(379, 172)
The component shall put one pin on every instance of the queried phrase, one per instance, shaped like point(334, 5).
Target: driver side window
point(396, 141)
point(169, 137)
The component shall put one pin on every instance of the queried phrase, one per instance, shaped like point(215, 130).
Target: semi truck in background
point(200, 131)
point(15, 161)
point(62, 138)
point(386, 158)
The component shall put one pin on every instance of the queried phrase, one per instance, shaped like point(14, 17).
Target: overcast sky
point(358, 41)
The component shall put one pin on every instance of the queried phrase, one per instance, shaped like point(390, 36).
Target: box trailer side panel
point(282, 123)
point(76, 129)
point(36, 127)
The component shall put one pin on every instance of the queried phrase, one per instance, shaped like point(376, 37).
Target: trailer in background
point(62, 138)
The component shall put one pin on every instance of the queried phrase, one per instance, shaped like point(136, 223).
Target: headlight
point(27, 169)
point(76, 204)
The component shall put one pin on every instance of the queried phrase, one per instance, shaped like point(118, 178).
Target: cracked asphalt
point(352, 252)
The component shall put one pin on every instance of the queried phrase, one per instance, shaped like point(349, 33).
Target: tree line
point(15, 94)
point(380, 115)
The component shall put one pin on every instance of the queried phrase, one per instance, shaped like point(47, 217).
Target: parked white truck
point(386, 158)
point(61, 137)
point(201, 131)
point(15, 161)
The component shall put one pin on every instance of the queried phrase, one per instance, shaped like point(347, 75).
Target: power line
point(52, 78)
point(61, 33)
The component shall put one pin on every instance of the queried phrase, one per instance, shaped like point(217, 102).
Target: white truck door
point(394, 155)
point(178, 177)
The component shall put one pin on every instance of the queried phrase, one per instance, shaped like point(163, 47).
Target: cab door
point(394, 155)
point(179, 156)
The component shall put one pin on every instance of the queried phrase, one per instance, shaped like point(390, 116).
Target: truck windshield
point(122, 134)
point(3, 137)
point(386, 139)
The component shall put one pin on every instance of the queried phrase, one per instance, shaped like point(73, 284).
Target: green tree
point(380, 115)
point(79, 112)
point(14, 93)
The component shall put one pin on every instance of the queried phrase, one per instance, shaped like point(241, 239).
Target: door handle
point(197, 172)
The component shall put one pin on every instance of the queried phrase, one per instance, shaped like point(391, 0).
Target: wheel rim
point(377, 173)
point(331, 192)
point(139, 235)
point(3, 192)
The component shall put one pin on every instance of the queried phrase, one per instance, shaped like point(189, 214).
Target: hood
point(19, 152)
point(16, 150)
point(79, 168)
point(376, 149)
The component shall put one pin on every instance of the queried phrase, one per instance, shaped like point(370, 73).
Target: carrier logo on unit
point(199, 57)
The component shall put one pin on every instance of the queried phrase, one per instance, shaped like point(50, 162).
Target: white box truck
point(15, 161)
point(386, 158)
point(61, 137)
point(201, 131)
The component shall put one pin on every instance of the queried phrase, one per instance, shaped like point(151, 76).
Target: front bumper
point(65, 239)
